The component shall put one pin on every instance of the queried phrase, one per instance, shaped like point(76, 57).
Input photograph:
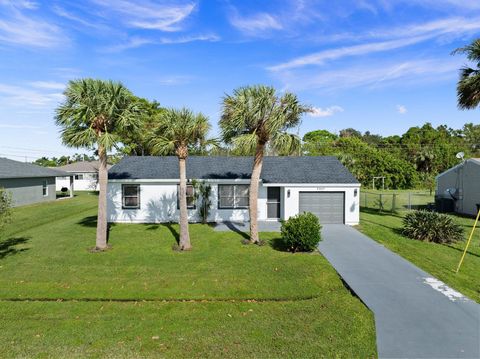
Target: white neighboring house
point(85, 176)
point(461, 184)
point(144, 189)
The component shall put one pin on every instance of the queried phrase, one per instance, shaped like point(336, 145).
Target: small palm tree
point(468, 87)
point(95, 114)
point(175, 133)
point(256, 117)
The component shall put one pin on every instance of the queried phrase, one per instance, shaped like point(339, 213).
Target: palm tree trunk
point(184, 235)
point(253, 195)
point(102, 200)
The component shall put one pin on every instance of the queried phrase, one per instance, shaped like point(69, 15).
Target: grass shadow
point(277, 244)
point(232, 227)
point(172, 230)
point(461, 250)
point(8, 246)
point(380, 213)
point(90, 221)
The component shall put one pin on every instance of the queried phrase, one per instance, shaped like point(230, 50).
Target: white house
point(85, 176)
point(144, 189)
point(462, 185)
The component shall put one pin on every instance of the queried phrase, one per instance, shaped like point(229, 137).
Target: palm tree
point(468, 87)
point(95, 114)
point(175, 133)
point(256, 117)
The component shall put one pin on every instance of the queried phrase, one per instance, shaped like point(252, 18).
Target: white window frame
point(235, 196)
point(45, 188)
point(124, 206)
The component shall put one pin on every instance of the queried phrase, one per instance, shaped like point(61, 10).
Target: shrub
point(5, 207)
point(431, 227)
point(301, 233)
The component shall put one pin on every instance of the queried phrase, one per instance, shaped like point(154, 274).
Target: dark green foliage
point(5, 207)
point(301, 233)
point(202, 193)
point(431, 227)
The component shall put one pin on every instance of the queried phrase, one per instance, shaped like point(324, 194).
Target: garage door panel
point(329, 207)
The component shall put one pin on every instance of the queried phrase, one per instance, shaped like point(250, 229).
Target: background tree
point(5, 207)
point(174, 133)
point(468, 86)
point(96, 114)
point(256, 117)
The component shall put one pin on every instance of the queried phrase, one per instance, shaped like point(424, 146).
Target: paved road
point(416, 316)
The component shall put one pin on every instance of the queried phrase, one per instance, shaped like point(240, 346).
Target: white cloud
point(373, 75)
point(401, 109)
point(19, 127)
point(49, 85)
point(27, 96)
point(397, 38)
point(321, 57)
point(326, 112)
point(254, 24)
point(145, 14)
point(19, 29)
point(136, 42)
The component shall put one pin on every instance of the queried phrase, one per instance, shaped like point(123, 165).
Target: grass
point(440, 260)
point(141, 299)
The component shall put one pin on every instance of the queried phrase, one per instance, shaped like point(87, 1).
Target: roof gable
point(307, 169)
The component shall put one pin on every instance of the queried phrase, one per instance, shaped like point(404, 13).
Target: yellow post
point(468, 242)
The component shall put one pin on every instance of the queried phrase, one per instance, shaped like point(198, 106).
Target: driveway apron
point(416, 315)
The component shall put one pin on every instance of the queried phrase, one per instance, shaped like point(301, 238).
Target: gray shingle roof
point(15, 169)
point(82, 166)
point(308, 169)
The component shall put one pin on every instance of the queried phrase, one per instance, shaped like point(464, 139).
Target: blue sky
point(378, 65)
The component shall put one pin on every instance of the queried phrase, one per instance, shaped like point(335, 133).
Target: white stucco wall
point(158, 202)
point(352, 202)
point(88, 183)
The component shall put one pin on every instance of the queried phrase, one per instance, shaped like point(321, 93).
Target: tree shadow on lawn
point(376, 212)
point(169, 226)
point(461, 250)
point(91, 222)
point(278, 244)
point(8, 246)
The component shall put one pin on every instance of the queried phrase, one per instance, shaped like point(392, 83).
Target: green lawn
point(141, 299)
point(439, 260)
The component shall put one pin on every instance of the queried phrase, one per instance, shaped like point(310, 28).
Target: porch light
point(355, 192)
point(288, 193)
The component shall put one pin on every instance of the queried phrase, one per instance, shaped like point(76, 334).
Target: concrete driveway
point(416, 315)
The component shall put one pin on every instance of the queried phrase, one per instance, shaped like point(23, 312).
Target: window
point(233, 196)
point(131, 196)
point(45, 188)
point(79, 177)
point(190, 197)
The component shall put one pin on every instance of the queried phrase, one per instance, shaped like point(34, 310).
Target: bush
point(431, 227)
point(301, 233)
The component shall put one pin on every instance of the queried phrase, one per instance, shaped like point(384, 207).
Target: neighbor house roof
point(308, 169)
point(15, 169)
point(82, 166)
point(475, 161)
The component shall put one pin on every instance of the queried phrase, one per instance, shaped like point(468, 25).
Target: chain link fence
point(391, 201)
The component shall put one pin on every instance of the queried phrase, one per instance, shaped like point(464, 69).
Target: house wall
point(352, 202)
point(29, 190)
point(89, 182)
point(466, 179)
point(158, 203)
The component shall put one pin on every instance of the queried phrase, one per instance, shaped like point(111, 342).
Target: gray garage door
point(329, 207)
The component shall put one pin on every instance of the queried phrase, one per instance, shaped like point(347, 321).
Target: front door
point(273, 202)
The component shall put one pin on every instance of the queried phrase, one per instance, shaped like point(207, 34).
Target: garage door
point(329, 207)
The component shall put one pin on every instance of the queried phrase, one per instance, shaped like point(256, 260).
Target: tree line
point(410, 160)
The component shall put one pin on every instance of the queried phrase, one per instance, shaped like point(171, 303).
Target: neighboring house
point(145, 189)
point(461, 184)
point(28, 183)
point(85, 176)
